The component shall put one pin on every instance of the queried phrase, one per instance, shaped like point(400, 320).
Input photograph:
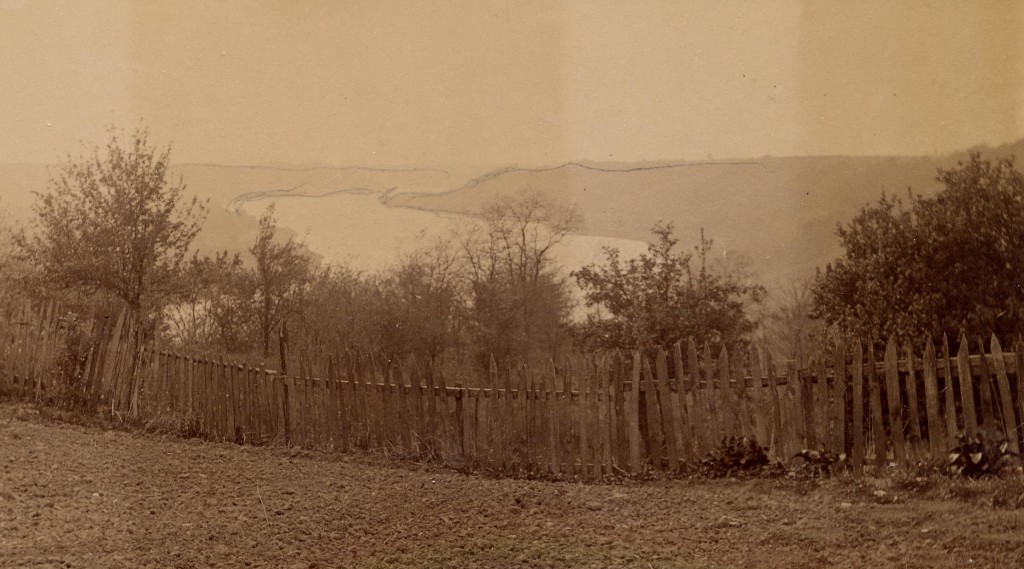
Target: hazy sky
point(477, 82)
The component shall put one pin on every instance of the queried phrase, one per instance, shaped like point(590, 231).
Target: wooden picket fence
point(586, 417)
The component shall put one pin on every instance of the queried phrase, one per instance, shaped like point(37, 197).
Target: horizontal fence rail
point(588, 417)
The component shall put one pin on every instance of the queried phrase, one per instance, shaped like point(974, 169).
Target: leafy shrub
point(738, 456)
point(979, 455)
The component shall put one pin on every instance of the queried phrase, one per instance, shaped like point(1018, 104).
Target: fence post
point(858, 409)
point(285, 407)
point(459, 418)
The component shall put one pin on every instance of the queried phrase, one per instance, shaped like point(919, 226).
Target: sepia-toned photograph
point(311, 284)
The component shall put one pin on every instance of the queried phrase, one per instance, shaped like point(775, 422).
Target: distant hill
point(781, 212)
point(228, 188)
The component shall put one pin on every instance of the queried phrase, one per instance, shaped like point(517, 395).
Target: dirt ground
point(73, 496)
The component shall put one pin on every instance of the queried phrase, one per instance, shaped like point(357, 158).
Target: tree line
point(114, 229)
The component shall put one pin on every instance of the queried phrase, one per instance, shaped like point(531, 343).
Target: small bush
point(978, 456)
point(739, 456)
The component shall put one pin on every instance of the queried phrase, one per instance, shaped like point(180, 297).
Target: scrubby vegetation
point(980, 455)
point(739, 456)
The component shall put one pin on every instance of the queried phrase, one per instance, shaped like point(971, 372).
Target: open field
point(73, 496)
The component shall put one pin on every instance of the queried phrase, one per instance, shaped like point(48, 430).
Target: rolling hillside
point(782, 212)
point(230, 188)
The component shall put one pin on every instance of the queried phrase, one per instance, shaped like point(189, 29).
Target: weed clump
point(739, 456)
point(977, 456)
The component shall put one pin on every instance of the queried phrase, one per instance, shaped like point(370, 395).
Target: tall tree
point(115, 223)
point(213, 312)
point(422, 306)
point(518, 303)
point(936, 265)
point(284, 271)
point(659, 298)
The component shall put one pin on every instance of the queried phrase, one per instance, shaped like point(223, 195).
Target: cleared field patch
point(72, 496)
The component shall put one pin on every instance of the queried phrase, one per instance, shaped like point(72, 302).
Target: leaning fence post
point(285, 410)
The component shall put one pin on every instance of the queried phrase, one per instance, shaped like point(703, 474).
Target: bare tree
point(517, 300)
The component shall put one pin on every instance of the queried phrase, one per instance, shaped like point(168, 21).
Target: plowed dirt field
point(73, 496)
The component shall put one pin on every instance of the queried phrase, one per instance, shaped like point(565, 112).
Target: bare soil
point(73, 496)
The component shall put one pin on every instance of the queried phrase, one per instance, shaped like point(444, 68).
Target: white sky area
point(481, 83)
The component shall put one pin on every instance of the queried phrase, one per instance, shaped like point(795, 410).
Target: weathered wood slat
point(699, 416)
point(915, 448)
point(758, 398)
point(857, 377)
point(875, 399)
point(554, 456)
point(1018, 351)
point(584, 418)
point(1006, 405)
point(985, 386)
point(653, 436)
point(745, 418)
point(668, 410)
point(949, 391)
point(632, 416)
point(893, 396)
point(966, 389)
point(936, 427)
point(605, 415)
point(778, 436)
point(839, 399)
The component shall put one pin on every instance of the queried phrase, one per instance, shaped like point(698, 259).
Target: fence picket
point(857, 372)
point(936, 428)
point(963, 363)
point(684, 428)
point(777, 437)
point(892, 392)
point(744, 414)
point(550, 410)
point(651, 423)
point(1005, 396)
point(948, 390)
point(839, 399)
point(584, 417)
point(669, 410)
point(632, 412)
point(914, 444)
point(1018, 359)
point(986, 385)
point(605, 416)
point(758, 397)
point(796, 425)
point(699, 417)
